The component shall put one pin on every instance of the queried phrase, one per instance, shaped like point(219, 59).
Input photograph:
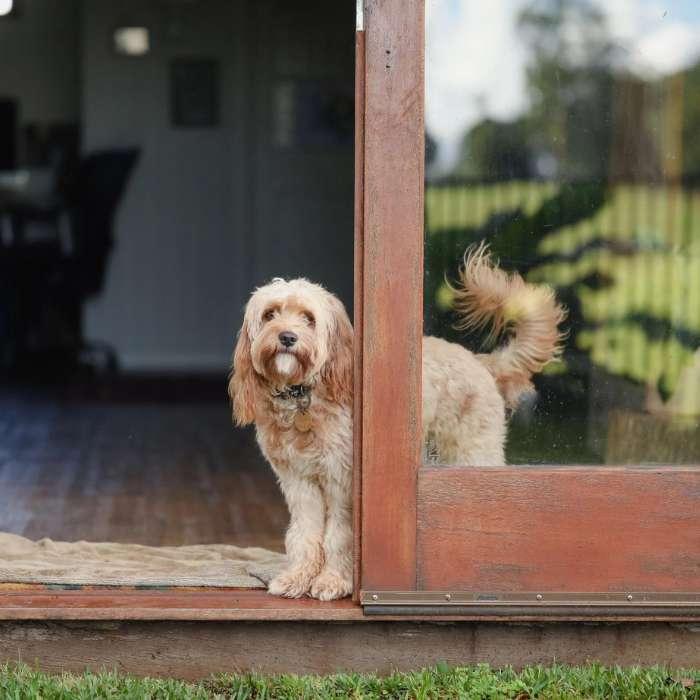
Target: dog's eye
point(310, 319)
point(269, 315)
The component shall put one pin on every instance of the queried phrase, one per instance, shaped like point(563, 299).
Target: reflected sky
point(476, 61)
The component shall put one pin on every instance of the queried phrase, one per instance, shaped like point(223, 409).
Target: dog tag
point(303, 421)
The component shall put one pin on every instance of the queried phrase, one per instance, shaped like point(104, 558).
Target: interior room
point(158, 160)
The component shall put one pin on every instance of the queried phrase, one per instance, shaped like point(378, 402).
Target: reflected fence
point(624, 258)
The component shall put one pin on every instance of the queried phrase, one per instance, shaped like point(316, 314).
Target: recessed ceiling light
point(6, 6)
point(131, 41)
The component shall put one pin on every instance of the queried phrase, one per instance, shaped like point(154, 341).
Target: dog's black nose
point(287, 338)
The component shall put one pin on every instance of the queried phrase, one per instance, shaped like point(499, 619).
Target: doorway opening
point(159, 159)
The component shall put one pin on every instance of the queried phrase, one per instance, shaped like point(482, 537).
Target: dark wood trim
point(393, 298)
point(567, 530)
point(359, 300)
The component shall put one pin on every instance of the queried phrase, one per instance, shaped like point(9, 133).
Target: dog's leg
point(335, 580)
point(304, 540)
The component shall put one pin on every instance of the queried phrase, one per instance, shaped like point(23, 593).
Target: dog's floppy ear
point(337, 372)
point(242, 384)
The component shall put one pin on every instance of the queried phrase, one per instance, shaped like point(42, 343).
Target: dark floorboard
point(160, 474)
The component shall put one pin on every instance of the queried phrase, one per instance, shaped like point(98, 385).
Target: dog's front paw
point(291, 584)
point(330, 585)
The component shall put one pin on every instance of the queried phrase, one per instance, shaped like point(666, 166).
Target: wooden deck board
point(195, 650)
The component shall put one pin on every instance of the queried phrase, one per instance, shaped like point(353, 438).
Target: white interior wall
point(174, 282)
point(210, 213)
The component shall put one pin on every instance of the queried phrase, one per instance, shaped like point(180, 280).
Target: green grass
point(478, 682)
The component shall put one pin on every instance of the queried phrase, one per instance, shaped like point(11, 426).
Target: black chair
point(53, 285)
point(92, 204)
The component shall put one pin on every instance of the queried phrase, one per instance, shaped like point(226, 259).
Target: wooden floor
point(160, 474)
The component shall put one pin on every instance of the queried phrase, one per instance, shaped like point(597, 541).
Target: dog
point(292, 376)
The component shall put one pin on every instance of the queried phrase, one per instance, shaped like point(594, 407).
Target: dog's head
point(294, 332)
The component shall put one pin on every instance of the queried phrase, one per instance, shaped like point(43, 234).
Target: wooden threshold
point(36, 602)
point(102, 603)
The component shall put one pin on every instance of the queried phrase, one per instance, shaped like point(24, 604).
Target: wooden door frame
point(481, 541)
point(392, 291)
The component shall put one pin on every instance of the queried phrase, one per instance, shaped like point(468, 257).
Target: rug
point(113, 564)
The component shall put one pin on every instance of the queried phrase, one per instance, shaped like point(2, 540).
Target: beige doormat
point(112, 564)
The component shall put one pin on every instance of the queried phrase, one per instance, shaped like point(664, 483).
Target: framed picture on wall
point(313, 113)
point(194, 92)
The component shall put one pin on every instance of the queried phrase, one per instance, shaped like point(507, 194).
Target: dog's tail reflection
point(527, 316)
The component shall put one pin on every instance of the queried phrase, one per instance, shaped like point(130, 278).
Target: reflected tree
point(570, 85)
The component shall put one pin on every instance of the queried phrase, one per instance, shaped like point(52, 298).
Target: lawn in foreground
point(19, 682)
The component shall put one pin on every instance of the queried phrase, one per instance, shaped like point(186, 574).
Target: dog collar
point(300, 392)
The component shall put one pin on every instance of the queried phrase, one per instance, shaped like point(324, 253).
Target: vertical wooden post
point(392, 306)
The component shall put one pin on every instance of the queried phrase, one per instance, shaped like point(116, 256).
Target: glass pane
point(566, 135)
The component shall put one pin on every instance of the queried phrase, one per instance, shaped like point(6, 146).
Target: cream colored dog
point(292, 377)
